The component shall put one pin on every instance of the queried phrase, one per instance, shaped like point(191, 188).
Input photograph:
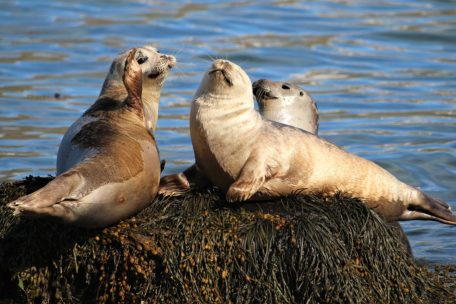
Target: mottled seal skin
point(252, 158)
point(286, 103)
point(108, 162)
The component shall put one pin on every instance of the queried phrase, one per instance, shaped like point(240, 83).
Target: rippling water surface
point(382, 72)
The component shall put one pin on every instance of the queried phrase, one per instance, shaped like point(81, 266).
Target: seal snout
point(222, 67)
point(167, 62)
point(262, 89)
point(170, 59)
point(220, 64)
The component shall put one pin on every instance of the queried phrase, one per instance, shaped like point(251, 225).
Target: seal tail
point(43, 200)
point(429, 208)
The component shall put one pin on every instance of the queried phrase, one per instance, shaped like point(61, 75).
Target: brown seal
point(286, 103)
point(251, 158)
point(108, 161)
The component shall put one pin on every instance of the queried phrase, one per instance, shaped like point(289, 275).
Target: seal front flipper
point(251, 178)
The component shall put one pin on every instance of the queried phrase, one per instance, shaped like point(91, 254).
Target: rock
point(199, 249)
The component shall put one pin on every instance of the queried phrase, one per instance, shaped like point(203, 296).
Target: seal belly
point(113, 202)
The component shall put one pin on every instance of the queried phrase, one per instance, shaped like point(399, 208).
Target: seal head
point(154, 69)
point(286, 103)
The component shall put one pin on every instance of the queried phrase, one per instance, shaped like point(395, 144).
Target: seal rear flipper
point(55, 191)
point(58, 211)
point(429, 208)
point(178, 184)
point(174, 185)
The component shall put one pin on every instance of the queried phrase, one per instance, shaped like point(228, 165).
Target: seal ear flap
point(132, 79)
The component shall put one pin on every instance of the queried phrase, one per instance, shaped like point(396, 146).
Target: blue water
point(382, 72)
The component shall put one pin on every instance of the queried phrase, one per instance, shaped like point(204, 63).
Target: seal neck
point(150, 99)
point(210, 113)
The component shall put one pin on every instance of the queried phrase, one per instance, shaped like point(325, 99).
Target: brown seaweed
point(199, 249)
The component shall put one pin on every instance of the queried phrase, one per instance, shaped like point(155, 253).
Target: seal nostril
point(142, 59)
point(255, 90)
point(285, 87)
point(301, 93)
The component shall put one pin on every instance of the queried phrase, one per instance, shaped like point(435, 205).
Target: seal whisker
point(208, 60)
point(179, 51)
point(179, 74)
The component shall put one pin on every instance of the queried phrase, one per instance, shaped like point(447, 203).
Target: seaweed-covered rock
point(198, 249)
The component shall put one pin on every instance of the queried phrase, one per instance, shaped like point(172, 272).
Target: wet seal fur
point(108, 164)
point(251, 158)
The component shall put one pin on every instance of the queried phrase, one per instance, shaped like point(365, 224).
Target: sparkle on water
point(382, 72)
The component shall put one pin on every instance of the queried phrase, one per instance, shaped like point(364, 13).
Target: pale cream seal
point(249, 157)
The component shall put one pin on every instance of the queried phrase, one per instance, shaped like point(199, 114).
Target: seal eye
point(158, 51)
point(285, 87)
point(142, 59)
point(301, 93)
